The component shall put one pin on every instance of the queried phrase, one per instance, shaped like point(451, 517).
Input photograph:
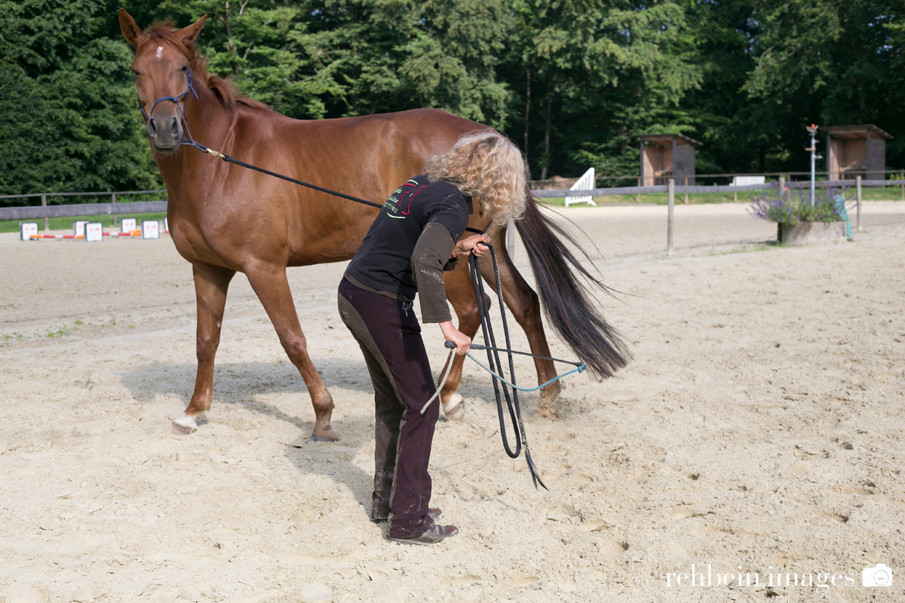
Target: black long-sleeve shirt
point(409, 245)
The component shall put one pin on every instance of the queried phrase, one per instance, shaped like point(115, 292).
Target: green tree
point(331, 58)
point(724, 118)
point(67, 104)
point(830, 63)
point(595, 75)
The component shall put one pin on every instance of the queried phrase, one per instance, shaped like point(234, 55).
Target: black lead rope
point(194, 144)
point(189, 140)
point(249, 166)
point(493, 358)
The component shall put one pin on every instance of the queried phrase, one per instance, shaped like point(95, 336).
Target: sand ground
point(756, 438)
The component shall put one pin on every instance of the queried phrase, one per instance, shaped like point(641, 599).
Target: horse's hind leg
point(272, 288)
point(525, 307)
point(211, 283)
point(460, 293)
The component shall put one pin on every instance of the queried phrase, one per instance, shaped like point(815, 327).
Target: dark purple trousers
point(390, 339)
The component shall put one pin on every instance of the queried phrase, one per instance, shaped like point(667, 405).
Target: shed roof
point(666, 140)
point(857, 132)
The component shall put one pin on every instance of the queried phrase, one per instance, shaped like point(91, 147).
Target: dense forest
point(573, 82)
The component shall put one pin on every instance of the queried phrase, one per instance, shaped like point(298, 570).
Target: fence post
point(782, 187)
point(858, 196)
point(115, 216)
point(46, 219)
point(671, 196)
point(686, 190)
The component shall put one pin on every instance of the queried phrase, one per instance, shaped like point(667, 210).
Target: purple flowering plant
point(793, 206)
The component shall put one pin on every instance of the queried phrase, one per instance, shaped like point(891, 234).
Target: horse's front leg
point(525, 307)
point(272, 288)
point(211, 283)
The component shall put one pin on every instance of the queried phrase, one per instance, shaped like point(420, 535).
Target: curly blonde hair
point(490, 169)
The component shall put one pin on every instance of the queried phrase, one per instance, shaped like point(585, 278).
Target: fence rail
point(88, 209)
point(115, 208)
point(138, 207)
point(695, 189)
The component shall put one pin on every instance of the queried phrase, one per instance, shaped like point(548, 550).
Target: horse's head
point(163, 77)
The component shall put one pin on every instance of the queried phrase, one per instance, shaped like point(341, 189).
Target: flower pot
point(811, 233)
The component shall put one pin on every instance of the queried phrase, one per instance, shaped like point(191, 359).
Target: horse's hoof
point(547, 409)
point(455, 408)
point(324, 435)
point(184, 424)
point(181, 429)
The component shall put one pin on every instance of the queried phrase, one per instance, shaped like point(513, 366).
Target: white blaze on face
point(159, 53)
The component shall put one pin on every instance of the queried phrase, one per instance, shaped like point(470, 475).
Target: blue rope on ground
point(840, 209)
point(579, 369)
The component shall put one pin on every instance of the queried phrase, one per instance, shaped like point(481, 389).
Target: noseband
point(176, 100)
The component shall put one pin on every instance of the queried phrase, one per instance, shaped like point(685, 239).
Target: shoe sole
point(422, 542)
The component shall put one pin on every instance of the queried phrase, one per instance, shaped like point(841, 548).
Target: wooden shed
point(856, 151)
point(665, 156)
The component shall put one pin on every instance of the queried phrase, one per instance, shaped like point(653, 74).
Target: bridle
point(179, 107)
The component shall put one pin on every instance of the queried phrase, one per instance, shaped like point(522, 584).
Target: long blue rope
point(579, 369)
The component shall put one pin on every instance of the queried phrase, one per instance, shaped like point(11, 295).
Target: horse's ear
point(130, 30)
point(190, 33)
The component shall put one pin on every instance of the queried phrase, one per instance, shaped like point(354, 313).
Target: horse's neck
point(207, 122)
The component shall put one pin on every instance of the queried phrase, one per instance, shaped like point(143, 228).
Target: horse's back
point(404, 139)
point(367, 157)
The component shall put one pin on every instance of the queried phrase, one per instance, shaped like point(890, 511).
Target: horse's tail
point(566, 300)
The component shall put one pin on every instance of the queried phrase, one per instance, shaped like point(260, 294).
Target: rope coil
point(493, 359)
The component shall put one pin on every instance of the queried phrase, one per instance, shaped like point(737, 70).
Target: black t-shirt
point(383, 262)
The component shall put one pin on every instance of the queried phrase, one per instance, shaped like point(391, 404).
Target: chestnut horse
point(224, 218)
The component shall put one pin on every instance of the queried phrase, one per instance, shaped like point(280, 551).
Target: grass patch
point(63, 331)
point(746, 249)
point(11, 338)
point(66, 223)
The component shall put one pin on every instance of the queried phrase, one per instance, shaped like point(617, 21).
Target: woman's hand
point(473, 244)
point(451, 333)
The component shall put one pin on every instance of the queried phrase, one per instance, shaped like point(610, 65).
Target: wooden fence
point(114, 208)
point(140, 207)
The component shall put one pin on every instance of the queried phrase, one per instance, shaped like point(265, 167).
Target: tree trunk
point(525, 146)
point(230, 44)
point(548, 111)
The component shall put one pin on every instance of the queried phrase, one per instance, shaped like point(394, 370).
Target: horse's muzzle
point(165, 132)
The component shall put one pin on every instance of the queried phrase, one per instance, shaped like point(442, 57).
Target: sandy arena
point(753, 449)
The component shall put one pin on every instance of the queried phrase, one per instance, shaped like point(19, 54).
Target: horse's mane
point(224, 90)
